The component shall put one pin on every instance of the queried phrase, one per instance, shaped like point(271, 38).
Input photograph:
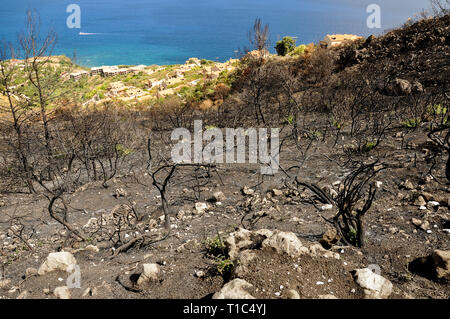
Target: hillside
point(359, 206)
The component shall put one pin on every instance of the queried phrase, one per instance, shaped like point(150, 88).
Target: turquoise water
point(171, 31)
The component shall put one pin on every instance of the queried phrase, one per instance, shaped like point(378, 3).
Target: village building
point(334, 40)
point(78, 75)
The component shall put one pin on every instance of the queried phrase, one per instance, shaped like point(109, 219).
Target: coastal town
point(145, 83)
point(162, 81)
point(155, 81)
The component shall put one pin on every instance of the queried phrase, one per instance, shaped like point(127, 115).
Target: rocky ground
point(263, 240)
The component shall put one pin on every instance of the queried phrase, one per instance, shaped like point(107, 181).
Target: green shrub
point(215, 246)
point(370, 145)
point(298, 51)
point(412, 123)
point(225, 268)
point(285, 46)
point(123, 151)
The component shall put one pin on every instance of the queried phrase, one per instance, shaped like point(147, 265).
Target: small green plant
point(336, 124)
point(290, 119)
point(215, 246)
point(411, 123)
point(225, 267)
point(370, 145)
point(352, 235)
point(437, 109)
point(123, 151)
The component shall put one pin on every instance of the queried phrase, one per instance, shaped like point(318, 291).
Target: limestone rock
point(62, 292)
point(57, 261)
point(441, 260)
point(327, 297)
point(291, 294)
point(218, 197)
point(244, 239)
point(201, 208)
point(285, 242)
point(247, 191)
point(150, 273)
point(374, 285)
point(235, 289)
point(329, 238)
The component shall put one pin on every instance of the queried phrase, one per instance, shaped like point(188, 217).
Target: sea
point(165, 32)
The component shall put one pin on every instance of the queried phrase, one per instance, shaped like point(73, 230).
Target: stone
point(327, 297)
point(420, 201)
point(329, 238)
point(201, 208)
point(277, 192)
point(427, 196)
point(200, 274)
point(374, 285)
point(62, 292)
point(433, 203)
point(425, 225)
point(190, 245)
point(92, 248)
point(326, 207)
point(31, 272)
point(23, 295)
point(285, 242)
point(407, 185)
point(316, 250)
point(120, 192)
point(416, 222)
point(441, 260)
point(401, 87)
point(62, 261)
point(291, 294)
point(247, 191)
point(150, 273)
point(5, 283)
point(243, 239)
point(235, 289)
point(218, 197)
point(87, 292)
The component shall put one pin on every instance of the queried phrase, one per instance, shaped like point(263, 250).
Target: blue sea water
point(171, 31)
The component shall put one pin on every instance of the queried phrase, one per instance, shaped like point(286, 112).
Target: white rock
point(219, 196)
point(92, 248)
point(62, 292)
point(57, 261)
point(327, 297)
point(201, 208)
point(244, 239)
point(4, 284)
point(374, 285)
point(286, 242)
point(151, 272)
point(433, 203)
point(235, 289)
point(326, 207)
point(247, 191)
point(291, 294)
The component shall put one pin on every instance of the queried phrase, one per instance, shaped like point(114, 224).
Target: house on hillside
point(78, 75)
point(334, 40)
